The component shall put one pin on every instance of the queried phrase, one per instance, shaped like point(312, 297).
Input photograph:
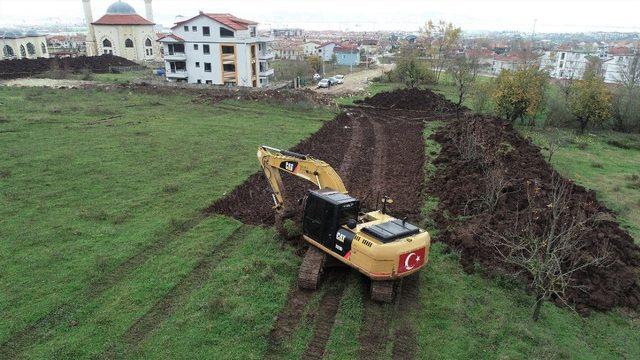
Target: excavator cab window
point(325, 211)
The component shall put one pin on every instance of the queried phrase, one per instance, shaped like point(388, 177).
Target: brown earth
point(459, 184)
point(411, 99)
point(11, 69)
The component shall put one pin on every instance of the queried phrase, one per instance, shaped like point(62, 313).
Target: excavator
point(381, 247)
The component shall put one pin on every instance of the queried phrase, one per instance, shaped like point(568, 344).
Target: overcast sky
point(551, 15)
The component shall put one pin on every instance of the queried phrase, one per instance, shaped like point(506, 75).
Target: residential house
point(310, 48)
point(565, 64)
point(369, 46)
point(219, 49)
point(348, 55)
point(619, 59)
point(505, 62)
point(325, 50)
point(288, 50)
point(18, 45)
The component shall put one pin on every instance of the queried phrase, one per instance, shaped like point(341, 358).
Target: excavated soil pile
point(478, 154)
point(12, 69)
point(411, 99)
point(375, 154)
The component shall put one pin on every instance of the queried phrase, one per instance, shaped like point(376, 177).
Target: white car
point(324, 83)
point(339, 79)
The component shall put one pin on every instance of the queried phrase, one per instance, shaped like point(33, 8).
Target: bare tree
point(463, 71)
point(468, 143)
point(546, 246)
point(442, 40)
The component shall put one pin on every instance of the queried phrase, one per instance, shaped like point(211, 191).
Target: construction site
point(214, 268)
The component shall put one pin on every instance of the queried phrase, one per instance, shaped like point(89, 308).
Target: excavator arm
point(316, 171)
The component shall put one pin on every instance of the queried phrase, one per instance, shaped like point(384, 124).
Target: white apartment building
point(217, 49)
point(310, 48)
point(565, 64)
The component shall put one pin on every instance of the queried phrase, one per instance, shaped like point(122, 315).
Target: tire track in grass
point(375, 327)
point(405, 345)
point(43, 327)
point(326, 313)
point(164, 308)
point(289, 319)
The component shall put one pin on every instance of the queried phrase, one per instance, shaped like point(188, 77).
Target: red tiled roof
point(175, 37)
point(346, 48)
point(117, 19)
point(619, 50)
point(228, 20)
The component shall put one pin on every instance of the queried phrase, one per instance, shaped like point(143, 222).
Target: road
point(356, 81)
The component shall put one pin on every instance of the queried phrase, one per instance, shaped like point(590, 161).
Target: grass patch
point(84, 195)
point(592, 161)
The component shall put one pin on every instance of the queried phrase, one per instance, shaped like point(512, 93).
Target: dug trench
point(377, 148)
point(377, 152)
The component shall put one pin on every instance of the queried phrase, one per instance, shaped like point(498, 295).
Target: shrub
point(520, 93)
point(558, 113)
point(481, 96)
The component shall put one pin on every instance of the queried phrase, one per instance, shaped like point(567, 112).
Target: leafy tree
point(589, 99)
point(442, 40)
point(520, 93)
point(334, 59)
point(463, 71)
point(412, 72)
point(315, 62)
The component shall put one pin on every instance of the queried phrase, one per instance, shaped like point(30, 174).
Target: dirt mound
point(375, 153)
point(462, 180)
point(411, 99)
point(11, 69)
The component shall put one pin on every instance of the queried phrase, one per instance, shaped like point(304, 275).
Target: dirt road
point(356, 81)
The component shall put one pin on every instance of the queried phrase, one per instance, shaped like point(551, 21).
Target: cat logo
point(289, 166)
point(340, 237)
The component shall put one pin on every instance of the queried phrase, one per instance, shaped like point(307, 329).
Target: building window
point(147, 42)
point(209, 82)
point(206, 31)
point(43, 47)
point(205, 49)
point(194, 28)
point(186, 29)
point(199, 81)
point(225, 32)
point(229, 67)
point(195, 46)
point(175, 48)
point(197, 64)
point(207, 67)
point(228, 49)
point(128, 43)
point(23, 52)
point(31, 49)
point(253, 31)
point(8, 51)
point(106, 43)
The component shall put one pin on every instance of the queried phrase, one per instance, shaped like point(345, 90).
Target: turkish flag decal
point(411, 260)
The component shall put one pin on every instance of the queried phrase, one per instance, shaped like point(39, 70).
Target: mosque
point(122, 32)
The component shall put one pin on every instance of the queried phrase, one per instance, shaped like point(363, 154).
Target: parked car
point(340, 79)
point(324, 83)
point(316, 77)
point(333, 81)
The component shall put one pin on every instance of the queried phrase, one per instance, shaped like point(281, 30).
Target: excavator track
point(311, 268)
point(382, 291)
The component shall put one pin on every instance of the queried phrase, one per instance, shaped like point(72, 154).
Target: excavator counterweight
point(376, 244)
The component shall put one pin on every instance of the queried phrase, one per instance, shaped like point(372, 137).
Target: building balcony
point(265, 73)
point(266, 56)
point(175, 56)
point(177, 74)
point(228, 58)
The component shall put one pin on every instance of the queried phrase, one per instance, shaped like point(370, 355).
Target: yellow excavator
point(378, 245)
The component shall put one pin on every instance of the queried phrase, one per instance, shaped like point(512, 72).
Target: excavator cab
point(325, 211)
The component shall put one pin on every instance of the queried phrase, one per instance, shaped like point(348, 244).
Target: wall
point(117, 34)
point(15, 44)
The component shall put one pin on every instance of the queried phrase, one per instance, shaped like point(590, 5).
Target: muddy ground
point(12, 69)
point(468, 223)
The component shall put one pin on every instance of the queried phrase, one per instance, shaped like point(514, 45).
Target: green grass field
point(105, 252)
point(101, 197)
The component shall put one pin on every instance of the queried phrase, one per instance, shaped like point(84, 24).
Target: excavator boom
point(320, 173)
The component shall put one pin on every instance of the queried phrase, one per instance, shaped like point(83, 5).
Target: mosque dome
point(121, 8)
